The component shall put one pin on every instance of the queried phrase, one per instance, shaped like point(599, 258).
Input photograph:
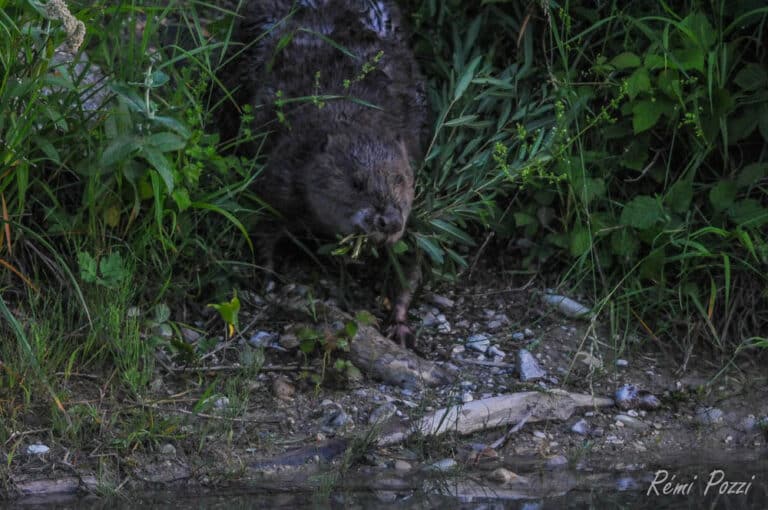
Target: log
point(374, 354)
point(533, 406)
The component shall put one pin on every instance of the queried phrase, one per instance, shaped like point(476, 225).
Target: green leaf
point(158, 79)
point(113, 270)
point(87, 267)
point(466, 77)
point(400, 247)
point(645, 114)
point(763, 120)
point(690, 58)
point(228, 310)
point(350, 329)
point(723, 195)
point(624, 244)
point(752, 77)
point(669, 83)
point(166, 141)
point(162, 313)
point(641, 213)
point(119, 149)
point(749, 213)
point(679, 196)
point(365, 318)
point(750, 174)
point(638, 82)
point(431, 248)
point(580, 241)
point(652, 267)
point(181, 197)
point(524, 219)
point(626, 60)
point(160, 163)
point(453, 231)
point(587, 189)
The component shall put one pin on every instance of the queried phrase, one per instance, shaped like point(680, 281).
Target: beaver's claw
point(402, 333)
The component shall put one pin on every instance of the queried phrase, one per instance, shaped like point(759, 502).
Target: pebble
point(190, 335)
point(479, 342)
point(622, 363)
point(443, 465)
point(37, 449)
point(467, 397)
point(262, 339)
point(495, 324)
point(709, 415)
point(221, 403)
point(581, 427)
point(282, 388)
point(505, 476)
point(496, 352)
point(566, 306)
point(457, 349)
point(518, 337)
point(382, 413)
point(528, 333)
point(441, 301)
point(539, 434)
point(168, 450)
point(402, 465)
point(630, 422)
point(557, 461)
point(748, 423)
point(528, 367)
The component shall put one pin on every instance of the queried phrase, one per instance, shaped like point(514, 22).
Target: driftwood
point(532, 406)
point(378, 356)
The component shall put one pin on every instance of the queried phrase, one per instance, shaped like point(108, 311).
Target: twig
point(503, 439)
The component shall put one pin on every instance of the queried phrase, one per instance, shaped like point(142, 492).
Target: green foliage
point(665, 159)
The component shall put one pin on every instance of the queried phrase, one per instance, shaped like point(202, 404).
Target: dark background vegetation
point(617, 149)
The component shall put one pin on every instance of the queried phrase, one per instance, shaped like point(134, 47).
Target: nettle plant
point(668, 163)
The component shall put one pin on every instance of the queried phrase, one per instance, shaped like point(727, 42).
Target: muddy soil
point(246, 416)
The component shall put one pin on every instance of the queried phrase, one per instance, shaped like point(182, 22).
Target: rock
point(557, 461)
point(518, 337)
point(631, 422)
point(539, 434)
point(442, 465)
point(566, 306)
point(629, 396)
point(133, 312)
point(581, 427)
point(528, 367)
point(467, 397)
point(505, 476)
point(479, 342)
point(37, 449)
point(495, 324)
point(709, 415)
point(402, 465)
point(382, 413)
point(190, 335)
point(496, 352)
point(168, 450)
point(335, 420)
point(622, 363)
point(440, 301)
point(163, 330)
point(592, 362)
point(262, 339)
point(283, 389)
point(221, 403)
point(748, 423)
point(528, 333)
point(289, 341)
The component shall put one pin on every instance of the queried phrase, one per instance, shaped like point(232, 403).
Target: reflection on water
point(670, 486)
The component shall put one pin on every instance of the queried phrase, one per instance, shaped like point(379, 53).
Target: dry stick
point(503, 439)
point(224, 368)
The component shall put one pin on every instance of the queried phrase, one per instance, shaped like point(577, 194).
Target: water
point(691, 486)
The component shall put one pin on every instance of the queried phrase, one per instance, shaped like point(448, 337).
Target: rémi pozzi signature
point(664, 484)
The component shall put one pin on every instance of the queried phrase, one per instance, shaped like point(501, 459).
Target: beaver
point(340, 94)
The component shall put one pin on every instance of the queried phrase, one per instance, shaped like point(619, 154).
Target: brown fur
point(344, 167)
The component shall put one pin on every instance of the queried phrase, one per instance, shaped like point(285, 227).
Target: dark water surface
point(703, 485)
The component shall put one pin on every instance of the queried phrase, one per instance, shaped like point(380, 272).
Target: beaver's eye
point(357, 184)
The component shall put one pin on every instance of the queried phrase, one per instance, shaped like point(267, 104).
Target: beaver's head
point(360, 183)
